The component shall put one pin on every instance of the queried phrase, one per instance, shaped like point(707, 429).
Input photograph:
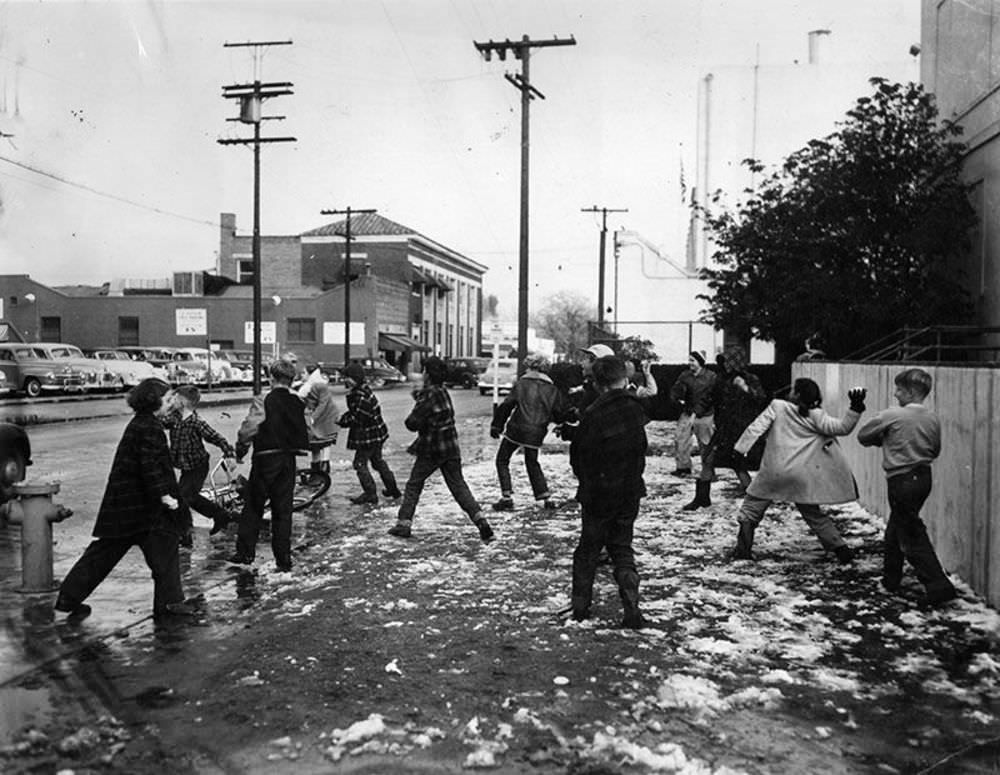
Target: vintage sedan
point(26, 370)
point(502, 373)
point(96, 376)
point(378, 372)
point(223, 372)
point(131, 371)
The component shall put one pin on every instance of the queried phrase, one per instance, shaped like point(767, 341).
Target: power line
point(105, 194)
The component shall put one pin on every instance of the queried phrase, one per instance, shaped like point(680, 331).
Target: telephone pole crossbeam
point(601, 265)
point(521, 49)
point(251, 96)
point(348, 211)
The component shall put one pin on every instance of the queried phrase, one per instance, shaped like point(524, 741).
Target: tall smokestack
point(816, 45)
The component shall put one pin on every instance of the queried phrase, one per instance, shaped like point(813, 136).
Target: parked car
point(131, 371)
point(378, 373)
point(242, 362)
point(96, 376)
point(5, 387)
point(223, 372)
point(27, 370)
point(15, 457)
point(503, 371)
point(464, 372)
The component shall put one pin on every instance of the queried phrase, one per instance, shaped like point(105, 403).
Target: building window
point(427, 332)
point(244, 271)
point(301, 329)
point(51, 329)
point(439, 338)
point(128, 332)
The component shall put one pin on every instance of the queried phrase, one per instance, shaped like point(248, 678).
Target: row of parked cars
point(34, 368)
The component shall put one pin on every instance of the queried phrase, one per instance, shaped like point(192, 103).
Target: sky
point(113, 169)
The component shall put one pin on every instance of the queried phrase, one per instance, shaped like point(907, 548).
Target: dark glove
point(857, 397)
point(494, 433)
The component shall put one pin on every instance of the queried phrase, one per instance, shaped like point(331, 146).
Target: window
point(301, 330)
point(51, 329)
point(128, 331)
point(427, 332)
point(244, 271)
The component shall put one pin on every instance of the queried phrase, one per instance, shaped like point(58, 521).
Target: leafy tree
point(853, 237)
point(564, 317)
point(635, 348)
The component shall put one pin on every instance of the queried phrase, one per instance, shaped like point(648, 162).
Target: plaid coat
point(608, 452)
point(433, 418)
point(364, 418)
point(141, 474)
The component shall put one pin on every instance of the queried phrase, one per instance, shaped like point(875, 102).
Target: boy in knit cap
point(367, 434)
point(910, 437)
point(436, 447)
point(694, 391)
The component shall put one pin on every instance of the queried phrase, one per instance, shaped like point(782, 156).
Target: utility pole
point(522, 50)
point(251, 97)
point(347, 276)
point(600, 264)
point(617, 251)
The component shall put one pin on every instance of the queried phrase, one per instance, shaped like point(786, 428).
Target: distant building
point(409, 295)
point(959, 62)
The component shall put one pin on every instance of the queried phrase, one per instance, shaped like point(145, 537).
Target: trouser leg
point(751, 513)
point(593, 535)
point(281, 488)
point(619, 543)
point(385, 473)
point(907, 494)
point(97, 561)
point(190, 484)
point(253, 511)
point(539, 487)
point(682, 441)
point(504, 453)
point(821, 525)
point(703, 428)
point(422, 468)
point(452, 471)
point(159, 547)
point(361, 458)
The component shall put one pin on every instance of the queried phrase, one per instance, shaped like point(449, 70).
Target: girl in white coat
point(802, 463)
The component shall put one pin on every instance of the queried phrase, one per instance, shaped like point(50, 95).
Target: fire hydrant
point(35, 512)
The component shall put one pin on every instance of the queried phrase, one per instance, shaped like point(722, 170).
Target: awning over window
point(400, 343)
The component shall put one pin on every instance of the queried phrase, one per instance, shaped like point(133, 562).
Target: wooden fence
point(961, 513)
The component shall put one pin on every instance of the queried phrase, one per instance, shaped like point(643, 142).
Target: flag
point(683, 183)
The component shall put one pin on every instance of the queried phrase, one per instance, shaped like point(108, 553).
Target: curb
point(34, 418)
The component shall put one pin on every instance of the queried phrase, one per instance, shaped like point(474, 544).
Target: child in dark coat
point(277, 429)
point(139, 508)
point(436, 447)
point(368, 432)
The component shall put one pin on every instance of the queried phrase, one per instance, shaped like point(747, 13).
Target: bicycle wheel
point(309, 486)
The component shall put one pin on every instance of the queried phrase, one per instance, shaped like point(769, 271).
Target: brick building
point(409, 295)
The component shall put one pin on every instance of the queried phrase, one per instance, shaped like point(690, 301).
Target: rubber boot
point(744, 542)
point(628, 591)
point(581, 608)
point(701, 496)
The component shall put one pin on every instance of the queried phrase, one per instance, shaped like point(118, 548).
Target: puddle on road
point(21, 707)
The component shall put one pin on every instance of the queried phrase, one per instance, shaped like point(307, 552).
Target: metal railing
point(935, 344)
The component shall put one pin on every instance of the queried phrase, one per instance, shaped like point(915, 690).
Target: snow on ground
point(723, 635)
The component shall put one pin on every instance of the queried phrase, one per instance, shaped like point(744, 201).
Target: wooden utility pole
point(522, 50)
point(347, 275)
point(251, 97)
point(600, 263)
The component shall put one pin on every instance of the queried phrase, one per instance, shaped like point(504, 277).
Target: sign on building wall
point(268, 332)
point(192, 322)
point(333, 333)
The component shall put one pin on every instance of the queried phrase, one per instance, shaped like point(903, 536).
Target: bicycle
point(231, 493)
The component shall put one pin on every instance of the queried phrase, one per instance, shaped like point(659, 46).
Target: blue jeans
point(451, 470)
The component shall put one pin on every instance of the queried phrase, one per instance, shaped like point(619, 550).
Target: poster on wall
point(268, 332)
point(192, 321)
point(333, 333)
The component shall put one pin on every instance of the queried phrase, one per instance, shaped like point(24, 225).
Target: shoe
point(581, 615)
point(485, 531)
point(549, 505)
point(938, 597)
point(504, 504)
point(845, 554)
point(186, 541)
point(702, 496)
point(634, 621)
point(239, 559)
point(365, 497)
point(76, 611)
point(891, 585)
point(283, 567)
point(221, 523)
point(681, 472)
point(400, 530)
point(392, 493)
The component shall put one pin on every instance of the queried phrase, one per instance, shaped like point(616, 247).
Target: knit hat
point(355, 371)
point(698, 357)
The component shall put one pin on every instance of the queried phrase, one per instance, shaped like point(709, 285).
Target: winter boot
point(744, 542)
point(365, 498)
point(401, 529)
point(485, 531)
point(701, 496)
point(628, 591)
point(581, 608)
point(506, 503)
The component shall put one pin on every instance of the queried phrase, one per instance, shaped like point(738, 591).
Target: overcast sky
point(113, 169)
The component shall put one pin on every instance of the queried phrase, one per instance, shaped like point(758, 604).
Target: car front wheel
point(32, 387)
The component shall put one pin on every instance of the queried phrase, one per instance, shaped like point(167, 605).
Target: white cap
point(598, 350)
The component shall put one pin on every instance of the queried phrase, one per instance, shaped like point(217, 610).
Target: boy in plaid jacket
point(436, 447)
point(367, 434)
